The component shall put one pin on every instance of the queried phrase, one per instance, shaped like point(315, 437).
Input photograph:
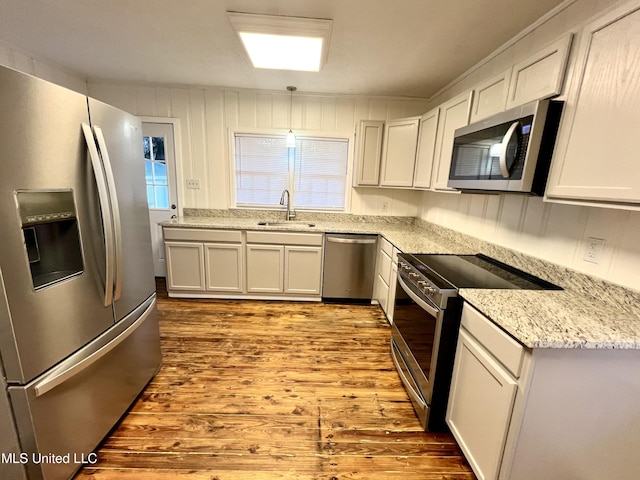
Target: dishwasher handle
point(356, 241)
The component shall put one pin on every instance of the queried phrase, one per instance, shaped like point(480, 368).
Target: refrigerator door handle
point(107, 222)
point(115, 210)
point(56, 380)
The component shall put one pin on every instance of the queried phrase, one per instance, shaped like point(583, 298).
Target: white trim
point(337, 135)
point(241, 296)
point(511, 42)
point(177, 143)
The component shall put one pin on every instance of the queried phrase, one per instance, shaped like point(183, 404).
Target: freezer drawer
point(70, 409)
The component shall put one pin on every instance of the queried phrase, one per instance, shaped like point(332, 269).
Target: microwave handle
point(503, 151)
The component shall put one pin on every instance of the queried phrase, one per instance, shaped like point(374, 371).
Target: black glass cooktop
point(479, 271)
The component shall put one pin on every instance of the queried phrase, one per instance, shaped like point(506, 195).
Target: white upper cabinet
point(369, 149)
point(426, 149)
point(399, 152)
point(597, 154)
point(490, 96)
point(453, 114)
point(541, 75)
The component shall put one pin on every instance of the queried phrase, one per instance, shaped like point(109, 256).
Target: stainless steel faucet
point(291, 214)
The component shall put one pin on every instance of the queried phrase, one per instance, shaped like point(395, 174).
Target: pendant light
point(291, 138)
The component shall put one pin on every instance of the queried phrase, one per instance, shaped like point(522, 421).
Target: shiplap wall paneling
point(207, 114)
point(558, 233)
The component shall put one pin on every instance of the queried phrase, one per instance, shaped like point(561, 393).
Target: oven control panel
point(419, 281)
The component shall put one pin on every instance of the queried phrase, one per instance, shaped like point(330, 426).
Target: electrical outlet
point(593, 250)
point(384, 207)
point(193, 183)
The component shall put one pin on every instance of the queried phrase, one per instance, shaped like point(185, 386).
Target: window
point(315, 172)
point(155, 166)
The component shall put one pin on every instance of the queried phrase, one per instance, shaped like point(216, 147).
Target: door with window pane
point(159, 163)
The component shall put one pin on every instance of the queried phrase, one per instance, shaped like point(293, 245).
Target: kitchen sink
point(285, 224)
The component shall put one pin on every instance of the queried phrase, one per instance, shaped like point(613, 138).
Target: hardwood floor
point(274, 390)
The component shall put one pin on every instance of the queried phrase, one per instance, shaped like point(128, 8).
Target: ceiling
point(378, 47)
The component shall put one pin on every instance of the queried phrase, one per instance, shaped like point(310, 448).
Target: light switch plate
point(193, 183)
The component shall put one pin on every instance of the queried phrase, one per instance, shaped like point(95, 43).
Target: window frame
point(309, 134)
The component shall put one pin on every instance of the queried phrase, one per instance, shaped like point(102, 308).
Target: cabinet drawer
point(505, 349)
point(202, 235)
point(285, 238)
point(386, 246)
point(383, 266)
point(394, 255)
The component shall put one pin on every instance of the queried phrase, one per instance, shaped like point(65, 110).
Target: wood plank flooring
point(274, 390)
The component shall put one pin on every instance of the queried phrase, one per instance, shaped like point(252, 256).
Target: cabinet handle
point(359, 241)
point(503, 151)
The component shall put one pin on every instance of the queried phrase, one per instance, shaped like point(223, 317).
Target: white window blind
point(262, 170)
point(320, 172)
point(315, 172)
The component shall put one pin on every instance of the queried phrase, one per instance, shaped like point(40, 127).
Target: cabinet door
point(303, 270)
point(426, 149)
point(596, 154)
point(383, 272)
point(490, 97)
point(453, 114)
point(224, 267)
point(391, 297)
point(369, 150)
point(399, 152)
point(185, 266)
point(541, 75)
point(265, 268)
point(480, 406)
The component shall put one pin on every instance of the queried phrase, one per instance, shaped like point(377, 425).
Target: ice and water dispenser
point(51, 235)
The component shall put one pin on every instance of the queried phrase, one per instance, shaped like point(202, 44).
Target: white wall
point(206, 114)
point(552, 231)
point(17, 59)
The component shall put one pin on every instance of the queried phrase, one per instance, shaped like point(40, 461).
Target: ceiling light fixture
point(291, 138)
point(283, 43)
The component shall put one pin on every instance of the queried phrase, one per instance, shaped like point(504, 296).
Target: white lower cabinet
point(209, 263)
point(480, 406)
point(224, 267)
point(543, 413)
point(203, 261)
point(185, 266)
point(303, 270)
point(384, 287)
point(265, 267)
point(285, 264)
point(290, 269)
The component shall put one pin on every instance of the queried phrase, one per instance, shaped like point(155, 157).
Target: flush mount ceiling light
point(283, 43)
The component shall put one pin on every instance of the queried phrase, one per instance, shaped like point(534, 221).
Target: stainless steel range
point(427, 318)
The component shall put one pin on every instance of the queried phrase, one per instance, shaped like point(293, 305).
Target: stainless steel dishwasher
point(349, 266)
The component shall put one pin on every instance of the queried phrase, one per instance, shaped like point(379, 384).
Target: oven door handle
point(424, 305)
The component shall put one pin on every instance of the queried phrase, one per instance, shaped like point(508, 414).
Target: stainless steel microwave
point(508, 152)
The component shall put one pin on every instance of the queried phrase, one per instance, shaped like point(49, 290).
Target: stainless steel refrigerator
point(79, 335)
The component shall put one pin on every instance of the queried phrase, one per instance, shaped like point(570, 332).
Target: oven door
point(415, 336)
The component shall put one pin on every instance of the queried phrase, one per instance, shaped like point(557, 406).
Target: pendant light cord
point(291, 139)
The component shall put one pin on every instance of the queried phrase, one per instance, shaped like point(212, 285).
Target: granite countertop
point(405, 237)
point(589, 313)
